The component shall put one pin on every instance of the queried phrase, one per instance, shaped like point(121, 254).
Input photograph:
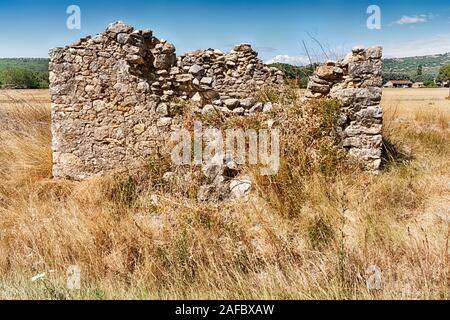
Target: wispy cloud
point(265, 49)
point(439, 43)
point(413, 19)
point(294, 60)
point(435, 44)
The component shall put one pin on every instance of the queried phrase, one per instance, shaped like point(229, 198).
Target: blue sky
point(274, 28)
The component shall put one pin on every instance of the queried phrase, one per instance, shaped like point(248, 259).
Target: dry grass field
point(36, 98)
point(411, 102)
point(314, 236)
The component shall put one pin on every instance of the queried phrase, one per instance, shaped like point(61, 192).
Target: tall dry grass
point(310, 233)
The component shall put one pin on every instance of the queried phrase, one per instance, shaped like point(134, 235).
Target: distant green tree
point(303, 83)
point(299, 74)
point(419, 74)
point(444, 75)
point(18, 78)
point(32, 64)
point(419, 70)
point(430, 84)
point(42, 80)
point(387, 76)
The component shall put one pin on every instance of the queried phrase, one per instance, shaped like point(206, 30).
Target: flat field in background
point(35, 97)
point(408, 101)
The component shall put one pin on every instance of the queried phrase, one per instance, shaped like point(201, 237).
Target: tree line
point(33, 74)
point(24, 73)
point(19, 78)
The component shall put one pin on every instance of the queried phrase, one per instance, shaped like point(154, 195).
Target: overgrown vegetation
point(309, 233)
point(309, 147)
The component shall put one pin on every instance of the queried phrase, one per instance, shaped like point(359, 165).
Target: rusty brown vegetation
point(309, 234)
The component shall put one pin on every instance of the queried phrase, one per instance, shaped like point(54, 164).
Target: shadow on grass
point(393, 153)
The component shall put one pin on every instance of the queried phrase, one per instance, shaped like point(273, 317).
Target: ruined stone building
point(116, 96)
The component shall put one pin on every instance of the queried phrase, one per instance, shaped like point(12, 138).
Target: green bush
point(444, 73)
point(24, 73)
point(430, 84)
point(18, 78)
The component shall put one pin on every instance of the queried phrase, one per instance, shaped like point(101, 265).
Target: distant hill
point(393, 69)
point(408, 66)
point(32, 64)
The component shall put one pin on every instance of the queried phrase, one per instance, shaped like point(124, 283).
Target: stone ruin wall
point(115, 97)
point(356, 82)
point(233, 76)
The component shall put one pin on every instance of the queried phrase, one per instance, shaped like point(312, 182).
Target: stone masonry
point(356, 82)
point(115, 96)
point(226, 78)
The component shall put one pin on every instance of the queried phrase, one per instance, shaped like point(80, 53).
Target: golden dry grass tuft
point(310, 233)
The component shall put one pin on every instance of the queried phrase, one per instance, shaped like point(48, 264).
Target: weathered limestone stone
point(268, 107)
point(222, 182)
point(355, 82)
point(196, 70)
point(247, 103)
point(112, 95)
point(257, 107)
point(209, 108)
point(240, 187)
point(231, 103)
point(235, 75)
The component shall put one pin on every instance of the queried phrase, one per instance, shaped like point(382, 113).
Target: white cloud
point(265, 49)
point(436, 44)
point(294, 60)
point(413, 19)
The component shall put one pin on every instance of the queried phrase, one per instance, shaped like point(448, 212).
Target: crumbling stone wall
point(113, 95)
point(229, 80)
point(116, 97)
point(356, 82)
